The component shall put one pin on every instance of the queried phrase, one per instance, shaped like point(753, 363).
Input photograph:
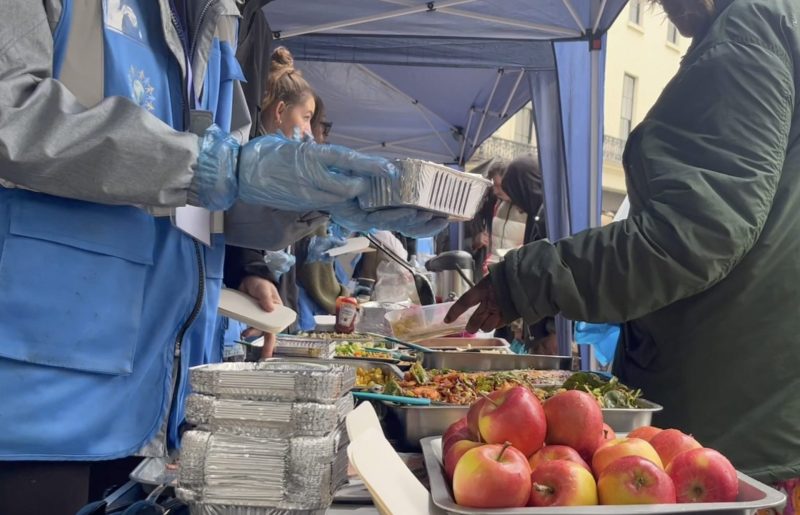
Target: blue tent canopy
point(434, 79)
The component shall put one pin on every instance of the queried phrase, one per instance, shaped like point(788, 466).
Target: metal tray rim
point(441, 498)
point(651, 406)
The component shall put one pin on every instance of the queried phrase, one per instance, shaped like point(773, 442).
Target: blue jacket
point(102, 296)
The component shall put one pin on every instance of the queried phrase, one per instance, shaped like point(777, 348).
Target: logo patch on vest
point(141, 89)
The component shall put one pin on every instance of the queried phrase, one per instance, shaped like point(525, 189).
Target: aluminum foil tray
point(300, 473)
point(275, 381)
point(305, 347)
point(753, 496)
point(428, 186)
point(223, 509)
point(266, 419)
point(485, 362)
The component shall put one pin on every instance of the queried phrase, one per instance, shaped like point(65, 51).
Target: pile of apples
point(512, 451)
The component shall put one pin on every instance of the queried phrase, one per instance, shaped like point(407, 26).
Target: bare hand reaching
point(487, 317)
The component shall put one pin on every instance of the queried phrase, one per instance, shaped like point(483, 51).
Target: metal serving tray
point(625, 420)
point(753, 496)
point(411, 424)
point(468, 344)
point(428, 186)
point(486, 362)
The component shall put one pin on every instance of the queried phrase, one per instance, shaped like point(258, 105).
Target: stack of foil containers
point(269, 438)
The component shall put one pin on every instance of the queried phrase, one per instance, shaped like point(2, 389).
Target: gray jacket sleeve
point(112, 153)
point(264, 228)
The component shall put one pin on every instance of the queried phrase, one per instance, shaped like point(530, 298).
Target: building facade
point(644, 51)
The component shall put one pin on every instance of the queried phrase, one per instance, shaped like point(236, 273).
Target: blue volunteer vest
point(95, 297)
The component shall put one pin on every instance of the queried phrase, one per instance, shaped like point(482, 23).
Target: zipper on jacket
point(200, 20)
point(198, 301)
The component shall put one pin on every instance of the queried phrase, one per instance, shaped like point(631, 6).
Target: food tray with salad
point(623, 408)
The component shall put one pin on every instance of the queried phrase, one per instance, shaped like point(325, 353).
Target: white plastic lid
point(244, 308)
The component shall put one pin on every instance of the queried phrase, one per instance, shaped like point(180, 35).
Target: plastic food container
point(421, 322)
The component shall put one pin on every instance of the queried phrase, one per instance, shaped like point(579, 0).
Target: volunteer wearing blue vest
point(113, 114)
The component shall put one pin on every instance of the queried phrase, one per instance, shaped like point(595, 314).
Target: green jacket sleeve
point(319, 280)
point(702, 172)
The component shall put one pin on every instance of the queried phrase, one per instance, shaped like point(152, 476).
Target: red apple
point(703, 475)
point(515, 416)
point(612, 450)
point(455, 432)
point(556, 452)
point(608, 433)
point(454, 454)
point(492, 476)
point(671, 442)
point(574, 419)
point(473, 415)
point(635, 480)
point(562, 483)
point(645, 432)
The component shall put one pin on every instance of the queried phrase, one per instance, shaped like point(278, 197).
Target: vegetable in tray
point(464, 388)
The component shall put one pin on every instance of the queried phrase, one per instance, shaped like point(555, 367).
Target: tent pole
point(488, 106)
point(594, 143)
point(504, 112)
point(571, 9)
point(599, 16)
point(368, 19)
point(588, 359)
point(550, 29)
point(413, 101)
point(465, 136)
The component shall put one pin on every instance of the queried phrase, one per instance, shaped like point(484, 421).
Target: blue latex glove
point(214, 183)
point(279, 262)
point(603, 337)
point(302, 175)
point(410, 222)
point(318, 246)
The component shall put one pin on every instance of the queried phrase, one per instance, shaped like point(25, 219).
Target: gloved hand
point(214, 185)
point(410, 222)
point(304, 176)
point(279, 262)
point(318, 246)
point(603, 337)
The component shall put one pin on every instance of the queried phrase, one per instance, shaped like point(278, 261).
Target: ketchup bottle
point(346, 313)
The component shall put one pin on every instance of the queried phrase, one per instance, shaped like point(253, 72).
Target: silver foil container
point(267, 419)
point(274, 381)
point(196, 508)
point(428, 186)
point(300, 473)
point(305, 347)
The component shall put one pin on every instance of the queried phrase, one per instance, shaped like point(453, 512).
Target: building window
point(628, 99)
point(523, 129)
point(672, 33)
point(635, 12)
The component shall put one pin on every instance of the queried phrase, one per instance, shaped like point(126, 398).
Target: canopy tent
point(434, 79)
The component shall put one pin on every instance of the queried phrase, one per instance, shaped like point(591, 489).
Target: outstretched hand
point(487, 317)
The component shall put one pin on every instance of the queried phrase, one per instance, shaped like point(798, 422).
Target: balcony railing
point(508, 149)
point(503, 148)
point(613, 149)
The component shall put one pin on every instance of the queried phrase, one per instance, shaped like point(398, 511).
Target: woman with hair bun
point(289, 101)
